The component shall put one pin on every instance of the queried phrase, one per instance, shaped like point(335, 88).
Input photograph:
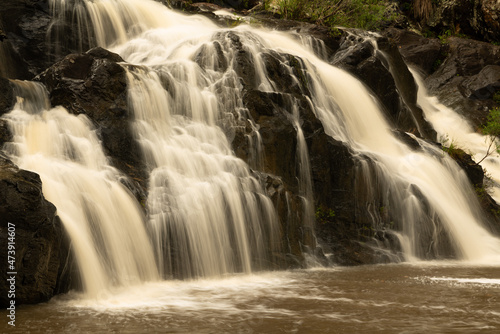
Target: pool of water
point(432, 297)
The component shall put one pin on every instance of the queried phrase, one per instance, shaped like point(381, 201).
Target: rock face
point(41, 246)
point(27, 27)
point(341, 228)
point(463, 72)
point(24, 51)
point(387, 75)
point(476, 18)
point(468, 78)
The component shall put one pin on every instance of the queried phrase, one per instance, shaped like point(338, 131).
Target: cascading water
point(453, 129)
point(208, 214)
point(103, 220)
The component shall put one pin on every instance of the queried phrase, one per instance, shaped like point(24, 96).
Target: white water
point(208, 214)
point(454, 129)
point(103, 220)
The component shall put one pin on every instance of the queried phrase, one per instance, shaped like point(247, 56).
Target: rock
point(6, 96)
point(424, 53)
point(25, 24)
point(483, 85)
point(491, 19)
point(212, 5)
point(469, 69)
point(94, 84)
point(36, 39)
point(387, 76)
point(41, 246)
point(332, 167)
point(475, 18)
point(6, 104)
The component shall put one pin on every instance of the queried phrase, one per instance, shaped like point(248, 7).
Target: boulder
point(483, 85)
point(94, 84)
point(30, 222)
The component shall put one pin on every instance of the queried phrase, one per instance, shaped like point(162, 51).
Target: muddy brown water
point(398, 298)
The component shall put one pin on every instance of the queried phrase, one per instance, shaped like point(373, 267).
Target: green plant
point(496, 97)
point(452, 149)
point(367, 14)
point(324, 215)
point(492, 130)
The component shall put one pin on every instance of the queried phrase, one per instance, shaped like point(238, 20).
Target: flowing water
point(455, 130)
point(103, 220)
point(208, 216)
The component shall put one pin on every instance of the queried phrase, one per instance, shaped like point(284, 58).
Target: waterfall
point(103, 220)
point(453, 129)
point(207, 213)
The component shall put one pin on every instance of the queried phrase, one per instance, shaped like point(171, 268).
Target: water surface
point(432, 297)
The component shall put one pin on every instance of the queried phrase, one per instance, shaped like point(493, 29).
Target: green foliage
point(436, 64)
point(452, 150)
point(492, 130)
point(324, 215)
point(492, 126)
point(368, 14)
point(496, 97)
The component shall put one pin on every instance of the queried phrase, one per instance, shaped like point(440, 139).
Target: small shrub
point(368, 14)
point(496, 97)
point(324, 215)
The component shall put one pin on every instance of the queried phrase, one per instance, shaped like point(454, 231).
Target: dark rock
point(478, 19)
point(41, 246)
point(459, 77)
point(491, 18)
point(211, 5)
point(407, 88)
point(203, 56)
point(25, 50)
point(6, 104)
point(6, 96)
point(424, 53)
point(387, 76)
point(483, 85)
point(36, 39)
point(94, 84)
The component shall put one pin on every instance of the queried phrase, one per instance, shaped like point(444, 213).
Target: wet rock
point(388, 77)
point(41, 246)
point(94, 84)
point(6, 104)
point(24, 51)
point(6, 96)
